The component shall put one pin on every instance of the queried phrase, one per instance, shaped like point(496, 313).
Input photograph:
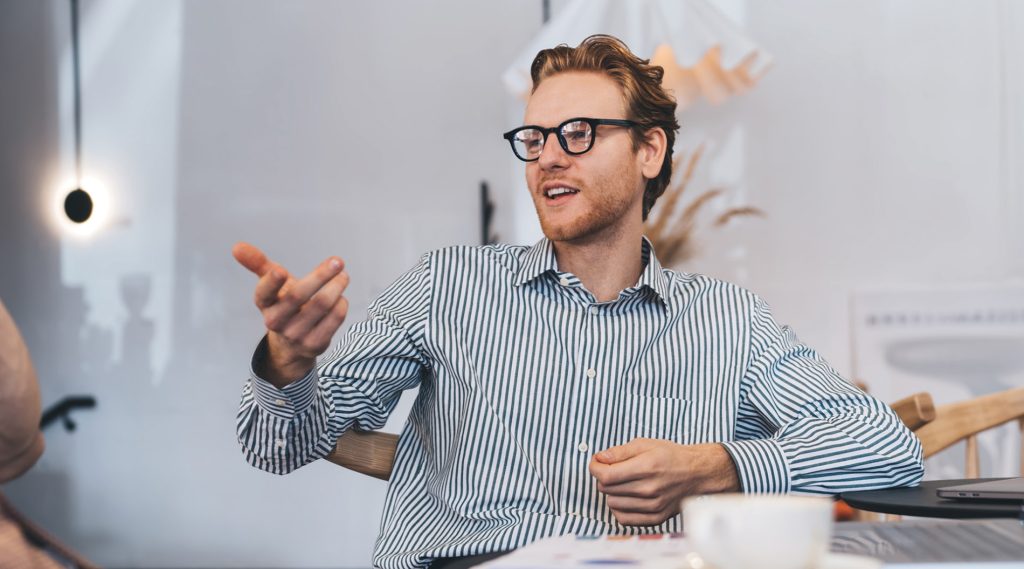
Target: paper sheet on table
point(654, 551)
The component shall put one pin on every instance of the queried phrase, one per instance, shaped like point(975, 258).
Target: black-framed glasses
point(575, 136)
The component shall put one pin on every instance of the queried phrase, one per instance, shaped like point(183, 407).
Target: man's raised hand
point(301, 315)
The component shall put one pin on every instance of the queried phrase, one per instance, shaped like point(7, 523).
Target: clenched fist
point(646, 479)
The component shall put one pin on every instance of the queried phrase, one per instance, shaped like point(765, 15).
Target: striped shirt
point(523, 376)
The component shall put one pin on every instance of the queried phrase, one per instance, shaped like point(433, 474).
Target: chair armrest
point(368, 452)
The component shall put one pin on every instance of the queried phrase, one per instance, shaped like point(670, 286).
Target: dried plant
point(673, 232)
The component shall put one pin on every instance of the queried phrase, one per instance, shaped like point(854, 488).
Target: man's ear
point(652, 152)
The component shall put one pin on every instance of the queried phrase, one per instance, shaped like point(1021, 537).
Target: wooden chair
point(964, 420)
point(367, 452)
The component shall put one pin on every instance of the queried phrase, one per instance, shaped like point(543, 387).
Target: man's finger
point(300, 291)
point(269, 287)
point(315, 309)
point(639, 488)
point(634, 505)
point(610, 475)
point(250, 257)
point(642, 520)
point(319, 338)
point(621, 452)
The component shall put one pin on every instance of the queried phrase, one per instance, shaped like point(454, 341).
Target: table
point(922, 501)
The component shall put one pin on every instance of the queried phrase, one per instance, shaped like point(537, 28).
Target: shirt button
point(279, 402)
point(583, 447)
point(591, 373)
point(279, 443)
point(563, 281)
point(594, 310)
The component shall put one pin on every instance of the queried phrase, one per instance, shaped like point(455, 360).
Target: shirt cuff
point(283, 402)
point(761, 466)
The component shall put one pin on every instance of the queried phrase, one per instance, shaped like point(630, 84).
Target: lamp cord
point(77, 93)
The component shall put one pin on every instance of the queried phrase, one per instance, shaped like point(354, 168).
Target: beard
point(605, 208)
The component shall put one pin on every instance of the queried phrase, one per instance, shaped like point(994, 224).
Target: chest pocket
point(684, 421)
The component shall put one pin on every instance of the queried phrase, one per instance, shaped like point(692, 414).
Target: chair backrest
point(368, 452)
point(963, 420)
point(916, 410)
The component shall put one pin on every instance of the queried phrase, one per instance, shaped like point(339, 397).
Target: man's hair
point(647, 103)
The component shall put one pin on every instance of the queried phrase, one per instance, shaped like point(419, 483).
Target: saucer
point(831, 561)
point(849, 561)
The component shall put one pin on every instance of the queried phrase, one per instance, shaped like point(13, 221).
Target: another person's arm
point(21, 442)
point(292, 410)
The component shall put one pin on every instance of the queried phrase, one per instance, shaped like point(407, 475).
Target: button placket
point(579, 444)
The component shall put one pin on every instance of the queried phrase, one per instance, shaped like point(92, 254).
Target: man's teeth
point(555, 192)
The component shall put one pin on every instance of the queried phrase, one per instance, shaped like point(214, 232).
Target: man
point(575, 386)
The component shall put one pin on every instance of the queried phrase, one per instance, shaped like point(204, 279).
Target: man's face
point(607, 181)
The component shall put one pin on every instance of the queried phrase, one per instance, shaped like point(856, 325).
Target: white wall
point(885, 146)
point(310, 128)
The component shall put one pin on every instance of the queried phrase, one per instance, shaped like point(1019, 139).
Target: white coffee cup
point(737, 531)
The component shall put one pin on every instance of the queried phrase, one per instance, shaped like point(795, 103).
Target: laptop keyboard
point(932, 541)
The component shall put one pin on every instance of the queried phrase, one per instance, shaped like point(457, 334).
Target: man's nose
point(552, 155)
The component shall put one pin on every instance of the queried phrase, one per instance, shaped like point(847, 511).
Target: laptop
point(1009, 490)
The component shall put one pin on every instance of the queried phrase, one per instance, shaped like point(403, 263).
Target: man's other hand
point(301, 315)
point(646, 479)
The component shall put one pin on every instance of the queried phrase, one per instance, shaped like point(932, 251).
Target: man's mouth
point(559, 193)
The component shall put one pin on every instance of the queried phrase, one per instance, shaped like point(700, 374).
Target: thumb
point(250, 257)
point(621, 452)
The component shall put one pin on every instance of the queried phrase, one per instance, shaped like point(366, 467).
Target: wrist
point(280, 365)
point(721, 474)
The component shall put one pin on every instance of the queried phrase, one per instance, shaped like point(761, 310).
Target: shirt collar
point(540, 259)
point(653, 275)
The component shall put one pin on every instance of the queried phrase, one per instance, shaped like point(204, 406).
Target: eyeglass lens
point(576, 137)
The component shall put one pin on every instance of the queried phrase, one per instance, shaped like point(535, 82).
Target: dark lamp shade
point(78, 205)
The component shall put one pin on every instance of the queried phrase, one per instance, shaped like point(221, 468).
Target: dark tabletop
point(922, 501)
